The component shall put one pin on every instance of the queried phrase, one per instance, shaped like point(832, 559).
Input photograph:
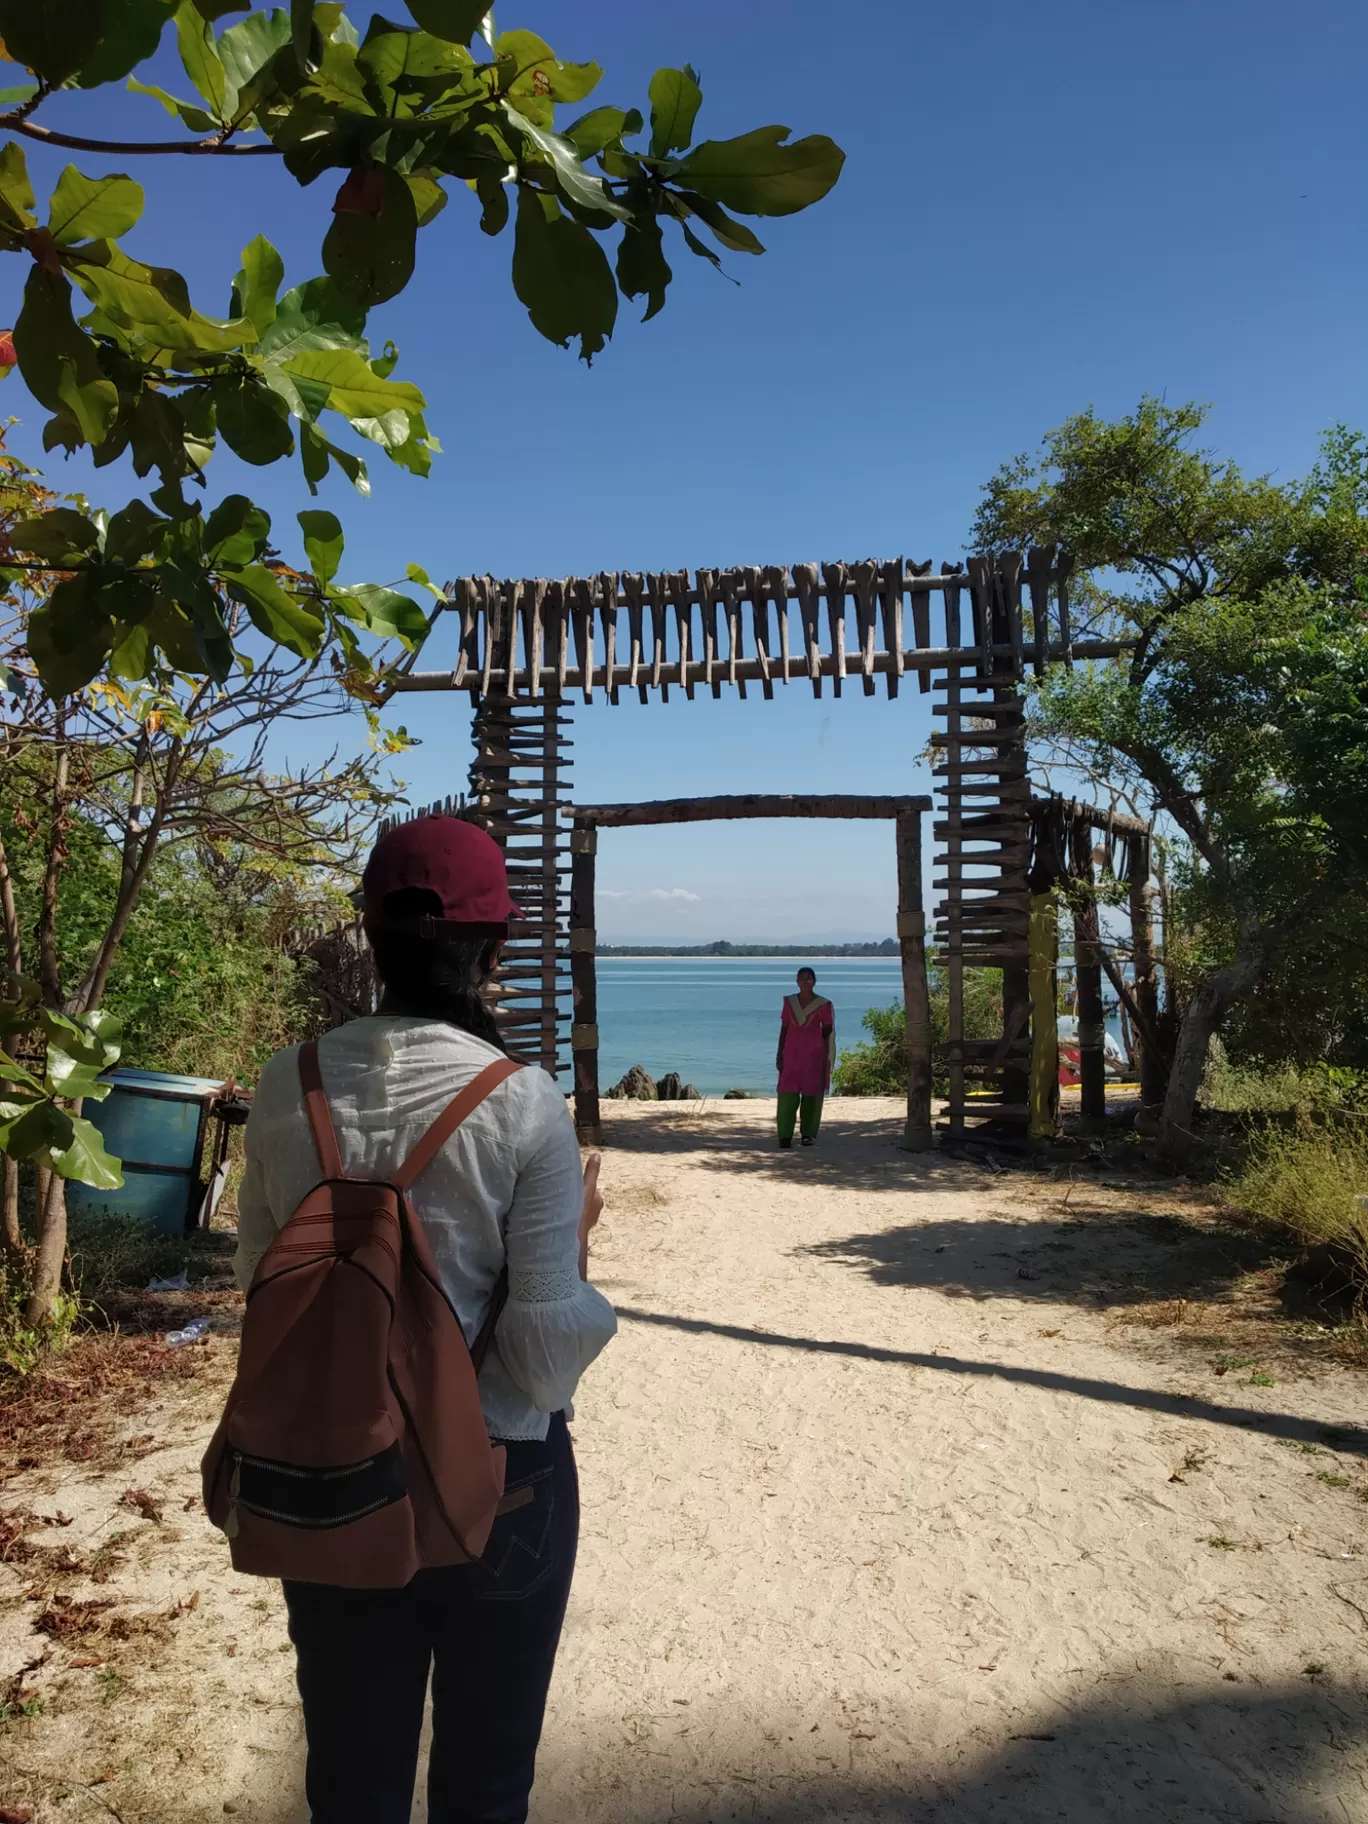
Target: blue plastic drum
point(156, 1125)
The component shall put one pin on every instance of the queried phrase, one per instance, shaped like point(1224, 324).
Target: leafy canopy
point(396, 116)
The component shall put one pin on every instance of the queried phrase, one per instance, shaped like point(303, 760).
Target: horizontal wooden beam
point(745, 804)
point(1094, 816)
point(849, 665)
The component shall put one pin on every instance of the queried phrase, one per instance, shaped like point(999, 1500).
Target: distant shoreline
point(884, 951)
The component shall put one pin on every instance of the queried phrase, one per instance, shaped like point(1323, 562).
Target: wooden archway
point(905, 813)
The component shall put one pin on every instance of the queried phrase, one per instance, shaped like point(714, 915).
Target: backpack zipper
point(288, 1469)
point(232, 1525)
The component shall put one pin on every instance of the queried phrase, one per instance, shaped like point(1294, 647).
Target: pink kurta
point(805, 1032)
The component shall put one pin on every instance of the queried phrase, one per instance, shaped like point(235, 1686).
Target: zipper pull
point(230, 1526)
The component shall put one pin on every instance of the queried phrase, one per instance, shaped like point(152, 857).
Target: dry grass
point(76, 1406)
point(1310, 1187)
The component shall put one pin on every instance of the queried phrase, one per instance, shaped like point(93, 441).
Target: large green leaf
point(642, 269)
point(58, 534)
point(734, 235)
point(388, 614)
point(203, 65)
point(353, 387)
point(246, 48)
point(316, 452)
point(86, 1160)
point(578, 184)
point(53, 38)
point(757, 174)
point(370, 257)
point(535, 79)
point(409, 70)
point(429, 198)
point(598, 128)
point(323, 543)
point(131, 33)
point(133, 532)
point(69, 636)
point(16, 192)
point(455, 20)
point(256, 285)
point(58, 360)
point(41, 1127)
point(675, 101)
point(314, 315)
point(236, 532)
point(154, 301)
point(253, 420)
point(561, 274)
point(93, 208)
point(279, 616)
point(185, 111)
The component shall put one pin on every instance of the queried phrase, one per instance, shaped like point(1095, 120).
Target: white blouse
point(507, 1187)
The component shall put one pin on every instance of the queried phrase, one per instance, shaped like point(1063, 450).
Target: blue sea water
point(716, 1019)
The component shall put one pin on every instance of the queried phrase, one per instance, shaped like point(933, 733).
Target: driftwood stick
point(836, 578)
point(584, 634)
point(682, 598)
point(864, 581)
point(608, 607)
point(809, 597)
point(755, 588)
point(633, 587)
point(730, 586)
point(777, 578)
point(658, 585)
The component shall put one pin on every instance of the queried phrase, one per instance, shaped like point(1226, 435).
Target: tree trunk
point(50, 1253)
point(1203, 1015)
point(14, 1239)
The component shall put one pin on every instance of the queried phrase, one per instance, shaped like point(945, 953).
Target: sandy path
point(880, 1522)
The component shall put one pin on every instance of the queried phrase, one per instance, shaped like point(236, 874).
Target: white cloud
point(655, 896)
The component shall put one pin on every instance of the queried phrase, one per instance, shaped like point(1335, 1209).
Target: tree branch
point(214, 147)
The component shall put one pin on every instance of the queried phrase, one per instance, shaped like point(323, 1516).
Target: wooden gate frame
point(906, 813)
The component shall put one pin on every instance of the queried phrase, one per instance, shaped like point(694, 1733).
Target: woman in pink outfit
point(807, 1051)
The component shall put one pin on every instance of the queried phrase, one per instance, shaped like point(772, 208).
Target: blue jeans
point(488, 1632)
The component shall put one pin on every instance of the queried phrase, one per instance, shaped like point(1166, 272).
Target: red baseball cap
point(456, 860)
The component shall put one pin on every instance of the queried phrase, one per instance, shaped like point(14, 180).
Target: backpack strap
point(450, 1119)
point(316, 1107)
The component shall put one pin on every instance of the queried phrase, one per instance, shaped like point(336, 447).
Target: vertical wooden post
point(584, 983)
point(1153, 1076)
point(1043, 950)
point(1092, 1068)
point(916, 994)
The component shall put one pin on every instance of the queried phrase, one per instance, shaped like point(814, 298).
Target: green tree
point(100, 786)
point(1240, 709)
point(164, 613)
point(401, 114)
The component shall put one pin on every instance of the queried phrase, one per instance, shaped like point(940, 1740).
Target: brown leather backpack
point(353, 1450)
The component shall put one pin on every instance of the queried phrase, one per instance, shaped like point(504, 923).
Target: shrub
point(1310, 1186)
point(879, 1067)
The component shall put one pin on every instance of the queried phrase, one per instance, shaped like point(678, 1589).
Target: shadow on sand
point(1175, 1405)
point(1244, 1754)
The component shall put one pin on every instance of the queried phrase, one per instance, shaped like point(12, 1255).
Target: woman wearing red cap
point(506, 1191)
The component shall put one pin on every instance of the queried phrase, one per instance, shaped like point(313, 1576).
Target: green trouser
point(807, 1110)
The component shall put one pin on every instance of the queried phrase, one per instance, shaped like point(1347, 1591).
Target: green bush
point(1309, 1186)
point(1262, 1088)
point(878, 1067)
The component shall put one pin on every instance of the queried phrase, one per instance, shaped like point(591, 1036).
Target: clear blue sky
point(1043, 207)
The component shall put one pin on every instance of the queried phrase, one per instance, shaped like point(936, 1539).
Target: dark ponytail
point(441, 977)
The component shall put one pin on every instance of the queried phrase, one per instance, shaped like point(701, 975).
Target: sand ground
point(912, 1490)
